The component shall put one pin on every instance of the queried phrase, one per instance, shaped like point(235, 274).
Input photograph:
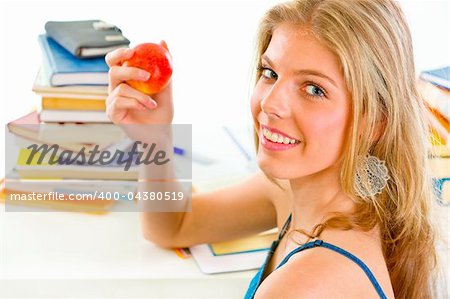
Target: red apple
point(155, 59)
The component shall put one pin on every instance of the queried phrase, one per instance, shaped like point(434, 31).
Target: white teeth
point(267, 133)
point(277, 138)
point(280, 139)
point(274, 137)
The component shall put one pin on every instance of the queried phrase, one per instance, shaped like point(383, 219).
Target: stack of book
point(72, 83)
point(64, 161)
point(434, 86)
point(73, 78)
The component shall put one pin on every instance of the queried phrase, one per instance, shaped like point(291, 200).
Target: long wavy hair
point(373, 44)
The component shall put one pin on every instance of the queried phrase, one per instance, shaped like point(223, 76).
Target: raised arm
point(228, 213)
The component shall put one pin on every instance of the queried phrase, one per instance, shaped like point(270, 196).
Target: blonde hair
point(373, 44)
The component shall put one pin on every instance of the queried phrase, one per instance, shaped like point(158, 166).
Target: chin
point(274, 169)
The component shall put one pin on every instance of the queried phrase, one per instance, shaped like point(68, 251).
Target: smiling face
point(300, 105)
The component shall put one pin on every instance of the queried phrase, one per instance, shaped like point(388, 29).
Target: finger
point(125, 90)
point(121, 106)
point(119, 74)
point(118, 56)
point(122, 103)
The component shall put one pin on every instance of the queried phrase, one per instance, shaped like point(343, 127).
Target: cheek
point(328, 129)
point(334, 128)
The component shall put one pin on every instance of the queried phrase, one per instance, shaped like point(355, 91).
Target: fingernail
point(144, 75)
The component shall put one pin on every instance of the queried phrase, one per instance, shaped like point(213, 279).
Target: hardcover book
point(62, 68)
point(86, 38)
point(43, 88)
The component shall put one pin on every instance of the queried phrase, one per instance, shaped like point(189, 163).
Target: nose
point(275, 102)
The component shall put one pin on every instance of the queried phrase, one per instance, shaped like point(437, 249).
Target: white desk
point(51, 254)
point(48, 255)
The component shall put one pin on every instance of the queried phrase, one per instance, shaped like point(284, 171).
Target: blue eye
point(267, 73)
point(314, 90)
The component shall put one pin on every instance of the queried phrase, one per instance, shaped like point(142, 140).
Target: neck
point(315, 197)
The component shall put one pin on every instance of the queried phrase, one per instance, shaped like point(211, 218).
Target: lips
point(273, 139)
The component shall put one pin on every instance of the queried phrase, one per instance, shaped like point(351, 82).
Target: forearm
point(161, 219)
point(161, 228)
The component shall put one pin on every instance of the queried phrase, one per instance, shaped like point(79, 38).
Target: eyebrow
point(304, 72)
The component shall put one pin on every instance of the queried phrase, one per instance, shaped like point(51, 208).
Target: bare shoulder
point(323, 273)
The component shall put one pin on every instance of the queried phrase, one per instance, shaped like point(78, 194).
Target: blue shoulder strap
point(343, 252)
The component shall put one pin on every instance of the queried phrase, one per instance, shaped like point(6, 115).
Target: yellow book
point(72, 104)
point(45, 170)
point(435, 138)
point(25, 154)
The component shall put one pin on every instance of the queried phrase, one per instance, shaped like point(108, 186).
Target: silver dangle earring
point(371, 176)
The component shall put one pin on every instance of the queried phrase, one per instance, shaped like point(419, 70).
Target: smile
point(278, 137)
point(272, 139)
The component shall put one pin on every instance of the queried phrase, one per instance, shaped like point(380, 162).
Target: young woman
point(341, 144)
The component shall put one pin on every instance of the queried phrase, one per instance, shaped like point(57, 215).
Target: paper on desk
point(236, 255)
point(211, 264)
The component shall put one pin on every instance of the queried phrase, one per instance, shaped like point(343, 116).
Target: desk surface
point(83, 252)
point(45, 255)
point(106, 256)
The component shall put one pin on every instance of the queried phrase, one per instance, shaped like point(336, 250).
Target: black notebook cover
point(88, 38)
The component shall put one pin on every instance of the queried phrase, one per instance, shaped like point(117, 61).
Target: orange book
point(444, 122)
point(435, 97)
point(49, 103)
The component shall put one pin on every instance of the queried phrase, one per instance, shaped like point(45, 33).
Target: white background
point(212, 44)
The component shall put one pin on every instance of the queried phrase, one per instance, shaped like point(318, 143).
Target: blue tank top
point(257, 280)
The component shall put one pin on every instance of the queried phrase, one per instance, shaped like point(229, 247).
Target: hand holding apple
point(155, 59)
point(127, 105)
